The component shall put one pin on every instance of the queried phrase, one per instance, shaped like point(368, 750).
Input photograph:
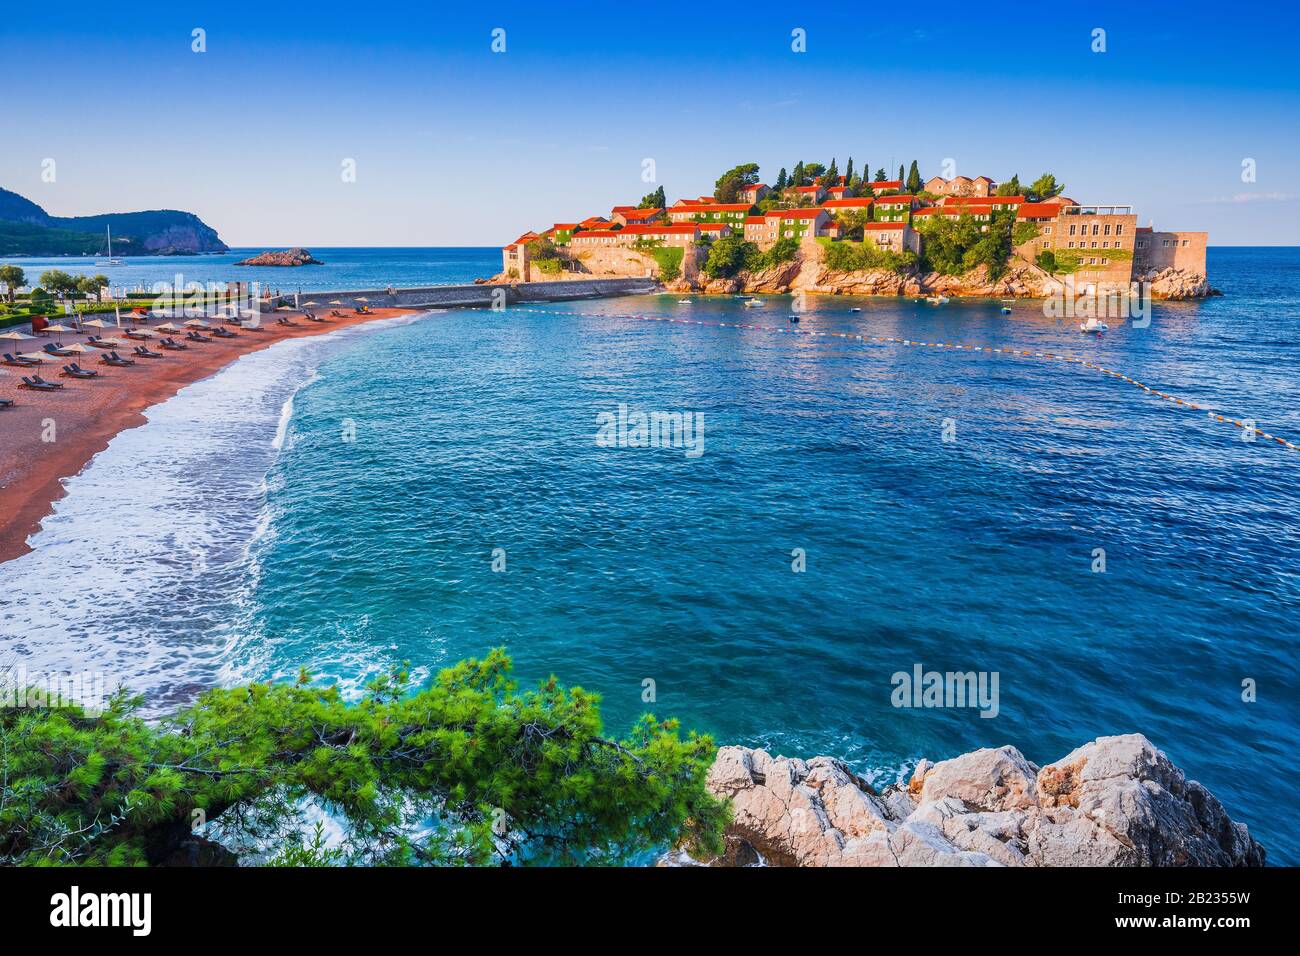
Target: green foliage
point(783, 250)
point(28, 239)
point(727, 256)
point(1044, 187)
point(781, 181)
point(655, 200)
point(551, 267)
point(58, 281)
point(669, 258)
point(729, 184)
point(954, 247)
point(14, 278)
point(1011, 187)
point(913, 182)
point(880, 176)
point(542, 249)
point(1024, 232)
point(510, 776)
point(1046, 260)
point(92, 285)
point(861, 256)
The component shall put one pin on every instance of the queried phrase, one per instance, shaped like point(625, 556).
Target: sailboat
point(110, 261)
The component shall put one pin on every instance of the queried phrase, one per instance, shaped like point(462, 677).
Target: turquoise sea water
point(286, 545)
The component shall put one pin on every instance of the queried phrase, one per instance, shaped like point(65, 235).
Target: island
point(820, 231)
point(296, 256)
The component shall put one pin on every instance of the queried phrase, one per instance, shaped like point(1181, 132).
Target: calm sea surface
point(238, 535)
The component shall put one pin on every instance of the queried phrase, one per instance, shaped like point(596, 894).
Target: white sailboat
point(110, 261)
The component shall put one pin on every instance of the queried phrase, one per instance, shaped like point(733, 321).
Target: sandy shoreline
point(87, 414)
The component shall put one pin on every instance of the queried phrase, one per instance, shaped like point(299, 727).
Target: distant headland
point(297, 256)
point(818, 230)
point(26, 229)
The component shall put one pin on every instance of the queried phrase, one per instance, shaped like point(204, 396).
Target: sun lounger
point(195, 337)
point(56, 348)
point(38, 384)
point(95, 341)
point(283, 321)
point(18, 363)
point(76, 371)
point(220, 333)
point(140, 336)
point(172, 345)
point(115, 360)
point(337, 314)
point(6, 403)
point(143, 352)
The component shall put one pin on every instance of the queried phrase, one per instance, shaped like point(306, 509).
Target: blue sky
point(457, 145)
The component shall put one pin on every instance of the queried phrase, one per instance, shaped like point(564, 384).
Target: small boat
point(754, 303)
point(794, 319)
point(1092, 325)
point(110, 261)
point(856, 309)
point(684, 301)
point(1005, 310)
point(936, 299)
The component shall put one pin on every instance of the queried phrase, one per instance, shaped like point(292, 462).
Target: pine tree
point(797, 177)
point(848, 173)
point(881, 175)
point(780, 180)
point(900, 172)
point(913, 179)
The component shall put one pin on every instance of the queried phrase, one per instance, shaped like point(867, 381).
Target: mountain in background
point(28, 230)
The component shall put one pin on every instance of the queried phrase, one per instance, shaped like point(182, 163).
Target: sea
point(850, 510)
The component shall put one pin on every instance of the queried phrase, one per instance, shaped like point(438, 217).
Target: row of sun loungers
point(112, 359)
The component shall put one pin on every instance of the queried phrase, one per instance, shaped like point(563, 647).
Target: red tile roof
point(887, 184)
point(643, 228)
point(752, 220)
point(856, 203)
point(754, 186)
point(565, 226)
point(876, 226)
point(983, 200)
point(716, 207)
point(894, 200)
point(635, 214)
point(806, 189)
point(1038, 210)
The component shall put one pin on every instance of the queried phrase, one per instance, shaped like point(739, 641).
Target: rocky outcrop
point(1178, 284)
point(1117, 801)
point(290, 257)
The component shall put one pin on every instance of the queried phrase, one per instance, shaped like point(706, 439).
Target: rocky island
point(296, 256)
point(820, 232)
point(1118, 801)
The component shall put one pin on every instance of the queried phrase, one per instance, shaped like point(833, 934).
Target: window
point(1072, 231)
point(1119, 229)
point(1107, 229)
point(1105, 261)
point(1184, 242)
point(1164, 242)
point(1094, 228)
point(1094, 243)
point(1071, 241)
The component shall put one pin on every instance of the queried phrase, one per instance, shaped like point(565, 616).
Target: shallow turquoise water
point(476, 431)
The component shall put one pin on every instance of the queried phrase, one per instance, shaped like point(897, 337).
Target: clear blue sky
point(457, 145)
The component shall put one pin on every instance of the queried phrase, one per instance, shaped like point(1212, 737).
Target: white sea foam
point(141, 570)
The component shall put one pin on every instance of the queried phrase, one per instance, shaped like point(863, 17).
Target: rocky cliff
point(1117, 801)
point(27, 229)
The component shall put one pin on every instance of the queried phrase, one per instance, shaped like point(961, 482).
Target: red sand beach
point(87, 414)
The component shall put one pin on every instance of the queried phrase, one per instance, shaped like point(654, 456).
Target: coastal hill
point(28, 230)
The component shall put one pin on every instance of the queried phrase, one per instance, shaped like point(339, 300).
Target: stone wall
point(456, 296)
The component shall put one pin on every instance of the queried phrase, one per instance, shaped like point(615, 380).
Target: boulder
point(1117, 801)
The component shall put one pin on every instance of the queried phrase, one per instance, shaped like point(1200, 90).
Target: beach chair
point(195, 337)
point(94, 341)
point(115, 360)
point(172, 345)
point(220, 333)
point(143, 352)
point(6, 403)
point(17, 362)
point(132, 334)
point(38, 384)
point(56, 348)
point(76, 371)
point(281, 320)
point(337, 314)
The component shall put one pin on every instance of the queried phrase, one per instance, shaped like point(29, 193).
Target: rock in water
point(1117, 801)
point(291, 257)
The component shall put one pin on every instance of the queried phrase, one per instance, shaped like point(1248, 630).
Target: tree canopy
point(510, 777)
point(730, 183)
point(655, 200)
point(14, 278)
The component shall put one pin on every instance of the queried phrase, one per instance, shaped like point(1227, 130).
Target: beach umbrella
point(361, 298)
point(335, 302)
point(97, 324)
point(75, 347)
point(58, 328)
point(197, 324)
point(15, 336)
point(313, 302)
point(35, 356)
point(166, 327)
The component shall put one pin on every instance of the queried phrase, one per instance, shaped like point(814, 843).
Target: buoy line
point(893, 340)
